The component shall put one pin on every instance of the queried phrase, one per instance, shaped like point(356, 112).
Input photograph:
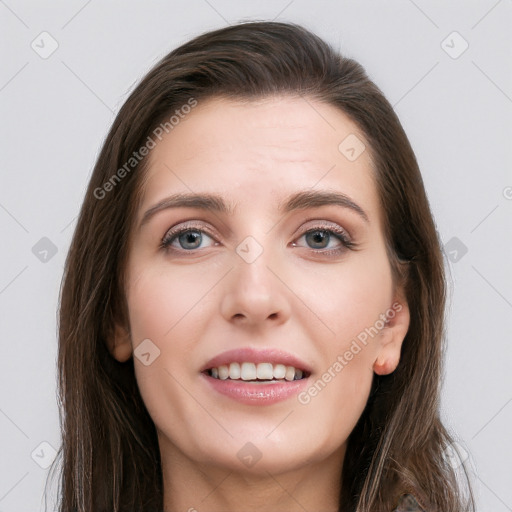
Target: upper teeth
point(251, 371)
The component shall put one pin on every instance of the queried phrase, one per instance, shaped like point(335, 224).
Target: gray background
point(455, 106)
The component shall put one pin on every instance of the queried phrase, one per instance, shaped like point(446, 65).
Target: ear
point(120, 343)
point(392, 336)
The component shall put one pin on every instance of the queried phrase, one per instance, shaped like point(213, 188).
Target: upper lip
point(250, 355)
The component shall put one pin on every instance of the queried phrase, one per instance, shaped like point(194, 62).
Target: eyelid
point(324, 224)
point(188, 224)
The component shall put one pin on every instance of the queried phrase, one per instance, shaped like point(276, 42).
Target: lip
point(256, 394)
point(251, 393)
point(250, 355)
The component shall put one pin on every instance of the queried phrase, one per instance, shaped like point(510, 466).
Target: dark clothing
point(408, 503)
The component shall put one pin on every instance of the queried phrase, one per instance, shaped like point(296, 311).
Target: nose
point(255, 295)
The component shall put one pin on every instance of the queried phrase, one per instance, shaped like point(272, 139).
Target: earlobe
point(386, 366)
point(120, 344)
point(392, 337)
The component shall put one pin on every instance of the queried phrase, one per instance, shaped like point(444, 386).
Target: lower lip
point(256, 394)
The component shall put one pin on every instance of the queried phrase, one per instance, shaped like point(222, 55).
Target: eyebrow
point(213, 203)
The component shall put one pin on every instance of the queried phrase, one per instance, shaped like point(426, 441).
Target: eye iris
point(190, 237)
point(318, 236)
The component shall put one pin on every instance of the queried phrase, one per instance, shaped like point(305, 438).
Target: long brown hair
point(110, 455)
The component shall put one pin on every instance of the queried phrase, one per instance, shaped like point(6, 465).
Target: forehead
point(259, 149)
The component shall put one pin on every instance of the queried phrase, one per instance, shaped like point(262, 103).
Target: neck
point(190, 486)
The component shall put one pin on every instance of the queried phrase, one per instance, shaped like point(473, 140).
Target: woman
point(251, 314)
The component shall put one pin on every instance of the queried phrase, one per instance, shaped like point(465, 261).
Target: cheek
point(347, 298)
point(161, 299)
point(166, 307)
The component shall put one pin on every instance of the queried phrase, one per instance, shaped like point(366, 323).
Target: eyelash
point(339, 233)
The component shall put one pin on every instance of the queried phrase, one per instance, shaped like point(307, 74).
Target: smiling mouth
point(254, 373)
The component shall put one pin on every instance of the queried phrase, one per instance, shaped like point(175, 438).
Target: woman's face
point(273, 265)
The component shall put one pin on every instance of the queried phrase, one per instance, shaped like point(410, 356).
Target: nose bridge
point(254, 294)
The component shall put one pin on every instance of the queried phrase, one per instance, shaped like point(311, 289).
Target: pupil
point(316, 237)
point(191, 236)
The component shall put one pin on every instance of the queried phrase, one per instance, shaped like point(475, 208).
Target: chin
point(257, 455)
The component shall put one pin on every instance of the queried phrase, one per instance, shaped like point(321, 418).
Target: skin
point(196, 303)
